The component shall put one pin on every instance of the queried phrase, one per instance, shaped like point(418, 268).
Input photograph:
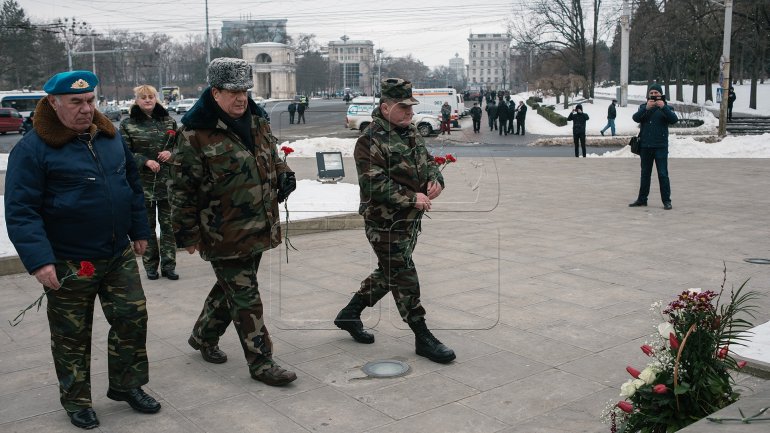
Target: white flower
point(665, 329)
point(648, 375)
point(638, 383)
point(696, 290)
point(627, 389)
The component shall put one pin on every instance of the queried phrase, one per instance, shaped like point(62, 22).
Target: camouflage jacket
point(224, 197)
point(393, 166)
point(146, 137)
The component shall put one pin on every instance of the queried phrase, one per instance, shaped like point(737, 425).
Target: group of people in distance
point(78, 191)
point(503, 114)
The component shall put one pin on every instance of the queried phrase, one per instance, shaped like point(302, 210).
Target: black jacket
point(578, 122)
point(611, 111)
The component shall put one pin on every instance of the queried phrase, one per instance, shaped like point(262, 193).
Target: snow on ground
point(750, 146)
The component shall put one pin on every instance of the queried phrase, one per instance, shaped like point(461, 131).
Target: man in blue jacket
point(653, 118)
point(72, 195)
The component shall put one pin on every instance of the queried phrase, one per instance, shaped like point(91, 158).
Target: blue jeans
point(611, 125)
point(659, 156)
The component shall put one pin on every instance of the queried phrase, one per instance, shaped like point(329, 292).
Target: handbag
point(634, 143)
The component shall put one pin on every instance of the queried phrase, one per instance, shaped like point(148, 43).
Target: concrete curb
point(12, 265)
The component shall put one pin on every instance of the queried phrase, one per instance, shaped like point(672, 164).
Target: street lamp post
point(379, 68)
point(345, 40)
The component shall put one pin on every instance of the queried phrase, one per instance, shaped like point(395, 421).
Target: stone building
point(352, 64)
point(489, 61)
point(274, 67)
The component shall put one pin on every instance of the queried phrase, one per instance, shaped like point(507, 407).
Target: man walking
point(397, 179)
point(611, 114)
point(225, 173)
point(292, 109)
point(301, 106)
point(476, 117)
point(72, 194)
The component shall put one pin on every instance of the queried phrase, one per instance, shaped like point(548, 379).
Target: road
point(326, 118)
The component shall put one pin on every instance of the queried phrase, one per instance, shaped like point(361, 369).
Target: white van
point(359, 116)
point(431, 101)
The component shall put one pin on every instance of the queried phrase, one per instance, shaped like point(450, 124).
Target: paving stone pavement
point(534, 271)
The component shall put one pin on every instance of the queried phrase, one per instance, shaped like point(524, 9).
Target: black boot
point(349, 319)
point(428, 346)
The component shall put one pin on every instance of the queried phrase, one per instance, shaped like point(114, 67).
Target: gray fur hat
point(230, 74)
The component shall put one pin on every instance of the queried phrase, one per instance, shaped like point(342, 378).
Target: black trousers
point(476, 125)
point(520, 126)
point(580, 139)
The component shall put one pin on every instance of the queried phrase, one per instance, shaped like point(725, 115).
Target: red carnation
point(440, 160)
point(450, 158)
point(673, 341)
point(287, 150)
point(625, 406)
point(633, 372)
point(659, 389)
point(171, 132)
point(648, 350)
point(86, 269)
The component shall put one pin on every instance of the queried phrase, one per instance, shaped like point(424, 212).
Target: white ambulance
point(431, 101)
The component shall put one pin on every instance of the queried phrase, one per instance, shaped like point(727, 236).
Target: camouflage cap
point(398, 90)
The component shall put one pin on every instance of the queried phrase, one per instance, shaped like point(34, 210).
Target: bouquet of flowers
point(688, 376)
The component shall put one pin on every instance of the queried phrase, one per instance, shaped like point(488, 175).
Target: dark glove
point(287, 183)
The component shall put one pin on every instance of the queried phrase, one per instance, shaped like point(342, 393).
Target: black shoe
point(136, 398)
point(601, 132)
point(210, 354)
point(667, 206)
point(429, 346)
point(637, 204)
point(349, 319)
point(170, 274)
point(275, 375)
point(84, 418)
point(152, 275)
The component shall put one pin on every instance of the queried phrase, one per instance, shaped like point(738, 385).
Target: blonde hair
point(145, 89)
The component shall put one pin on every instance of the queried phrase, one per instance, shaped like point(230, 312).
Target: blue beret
point(71, 82)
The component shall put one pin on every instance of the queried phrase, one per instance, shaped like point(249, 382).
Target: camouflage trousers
point(235, 298)
point(70, 317)
point(395, 273)
point(166, 255)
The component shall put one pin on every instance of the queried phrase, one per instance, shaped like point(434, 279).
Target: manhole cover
point(758, 261)
point(385, 368)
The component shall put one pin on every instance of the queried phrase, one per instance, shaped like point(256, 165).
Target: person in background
point(653, 118)
point(72, 195)
point(578, 119)
point(398, 179)
point(521, 117)
point(301, 106)
point(476, 117)
point(502, 115)
point(730, 101)
point(611, 115)
point(227, 179)
point(511, 105)
point(292, 109)
point(150, 133)
point(446, 117)
point(491, 110)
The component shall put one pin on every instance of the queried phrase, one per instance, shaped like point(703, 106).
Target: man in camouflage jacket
point(149, 132)
point(227, 180)
point(397, 179)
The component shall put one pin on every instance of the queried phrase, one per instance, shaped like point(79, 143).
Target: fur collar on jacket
point(158, 112)
point(55, 134)
point(203, 115)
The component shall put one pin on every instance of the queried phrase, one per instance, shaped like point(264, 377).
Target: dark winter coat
point(491, 110)
point(71, 196)
point(502, 111)
point(579, 121)
point(476, 113)
point(292, 107)
point(654, 124)
point(611, 111)
point(731, 98)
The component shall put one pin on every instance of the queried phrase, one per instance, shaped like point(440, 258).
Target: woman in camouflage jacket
point(149, 132)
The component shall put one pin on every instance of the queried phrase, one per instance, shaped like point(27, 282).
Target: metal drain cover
point(758, 261)
point(385, 368)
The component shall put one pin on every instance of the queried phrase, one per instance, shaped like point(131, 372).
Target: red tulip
point(722, 353)
point(86, 269)
point(625, 406)
point(633, 372)
point(742, 364)
point(673, 341)
point(659, 389)
point(648, 350)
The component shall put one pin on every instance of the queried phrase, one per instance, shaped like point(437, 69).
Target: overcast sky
point(431, 30)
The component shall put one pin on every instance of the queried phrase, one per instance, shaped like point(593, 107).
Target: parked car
point(125, 106)
point(112, 112)
point(10, 121)
point(185, 104)
point(172, 106)
point(359, 116)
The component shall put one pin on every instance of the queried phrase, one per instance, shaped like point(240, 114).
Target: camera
point(657, 98)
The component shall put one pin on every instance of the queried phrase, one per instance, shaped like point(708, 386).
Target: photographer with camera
point(579, 120)
point(653, 118)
